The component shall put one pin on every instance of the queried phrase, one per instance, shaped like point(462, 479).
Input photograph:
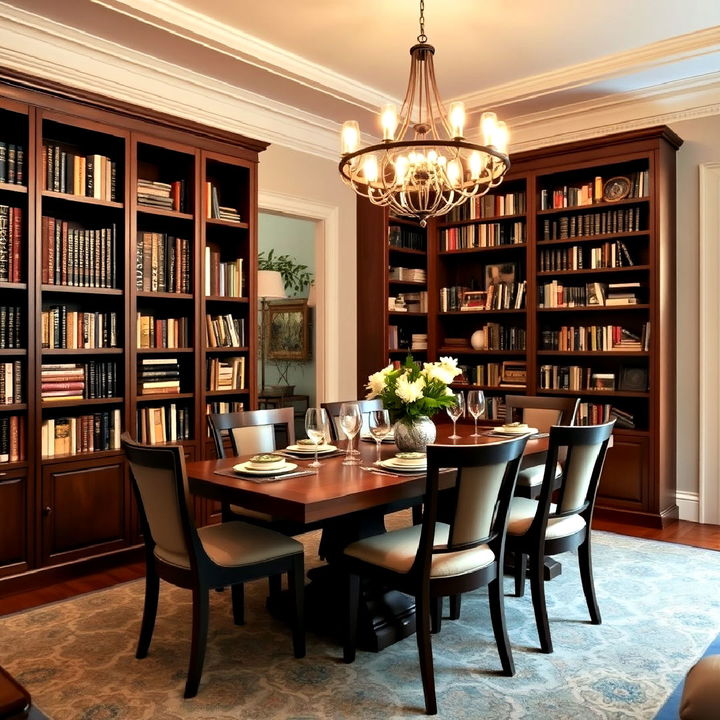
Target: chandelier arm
point(406, 109)
point(441, 111)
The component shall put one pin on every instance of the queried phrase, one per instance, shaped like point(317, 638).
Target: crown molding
point(664, 52)
point(34, 45)
point(196, 27)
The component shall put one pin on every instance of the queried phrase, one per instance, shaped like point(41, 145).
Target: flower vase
point(414, 435)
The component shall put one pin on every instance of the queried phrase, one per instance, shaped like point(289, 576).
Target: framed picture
point(474, 300)
point(498, 274)
point(634, 379)
point(602, 381)
point(288, 330)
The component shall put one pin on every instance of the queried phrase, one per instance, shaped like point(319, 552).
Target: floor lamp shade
point(270, 285)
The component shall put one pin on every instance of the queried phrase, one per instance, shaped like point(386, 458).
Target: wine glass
point(317, 429)
point(455, 412)
point(476, 407)
point(379, 424)
point(350, 422)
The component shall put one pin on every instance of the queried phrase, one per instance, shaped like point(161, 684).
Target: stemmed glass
point(317, 429)
point(476, 407)
point(350, 422)
point(379, 424)
point(455, 412)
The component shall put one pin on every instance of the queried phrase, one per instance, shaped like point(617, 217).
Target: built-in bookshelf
point(106, 218)
point(561, 282)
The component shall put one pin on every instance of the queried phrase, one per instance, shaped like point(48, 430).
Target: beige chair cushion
point(235, 544)
point(532, 476)
point(396, 551)
point(701, 694)
point(522, 512)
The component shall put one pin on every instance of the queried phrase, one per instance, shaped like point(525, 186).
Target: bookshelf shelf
point(161, 212)
point(594, 353)
point(164, 351)
point(9, 467)
point(223, 299)
point(406, 251)
point(487, 249)
point(605, 237)
point(594, 271)
point(81, 199)
point(230, 350)
point(470, 351)
point(594, 393)
point(394, 313)
point(104, 454)
point(164, 397)
point(82, 351)
point(12, 187)
point(595, 206)
point(480, 221)
point(13, 352)
point(490, 388)
point(482, 313)
point(13, 286)
point(596, 308)
point(76, 290)
point(221, 393)
point(415, 283)
point(156, 295)
point(227, 223)
point(12, 407)
point(80, 403)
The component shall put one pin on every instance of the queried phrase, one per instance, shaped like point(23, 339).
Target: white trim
point(709, 368)
point(687, 503)
point(327, 217)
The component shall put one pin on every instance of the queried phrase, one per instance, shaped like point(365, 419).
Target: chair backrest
point(585, 448)
point(333, 411)
point(252, 431)
point(541, 412)
point(161, 491)
point(486, 476)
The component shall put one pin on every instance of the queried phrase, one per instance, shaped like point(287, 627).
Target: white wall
point(309, 177)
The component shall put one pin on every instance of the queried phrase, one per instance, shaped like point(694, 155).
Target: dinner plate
point(510, 433)
point(310, 449)
point(388, 440)
point(391, 464)
point(242, 468)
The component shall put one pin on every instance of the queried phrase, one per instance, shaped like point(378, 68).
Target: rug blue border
point(671, 709)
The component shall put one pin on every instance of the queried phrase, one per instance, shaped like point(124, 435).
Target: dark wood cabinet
point(15, 547)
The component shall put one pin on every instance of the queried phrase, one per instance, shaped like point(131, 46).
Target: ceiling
point(316, 63)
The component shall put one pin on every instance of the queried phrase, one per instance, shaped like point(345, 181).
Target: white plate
point(390, 464)
point(512, 433)
point(387, 440)
point(310, 449)
point(242, 468)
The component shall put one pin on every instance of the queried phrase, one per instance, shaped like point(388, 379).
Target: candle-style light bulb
point(370, 168)
point(401, 168)
point(388, 120)
point(476, 164)
point(501, 137)
point(488, 121)
point(349, 137)
point(457, 118)
point(454, 172)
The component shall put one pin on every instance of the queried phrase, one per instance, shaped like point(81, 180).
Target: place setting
point(265, 467)
point(514, 429)
point(402, 463)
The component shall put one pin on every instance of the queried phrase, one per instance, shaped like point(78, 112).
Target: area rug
point(659, 603)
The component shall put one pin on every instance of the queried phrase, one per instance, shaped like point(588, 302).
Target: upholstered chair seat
point(523, 511)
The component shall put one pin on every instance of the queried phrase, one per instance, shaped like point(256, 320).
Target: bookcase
point(562, 282)
point(127, 260)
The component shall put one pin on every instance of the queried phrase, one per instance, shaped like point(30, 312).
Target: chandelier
point(424, 168)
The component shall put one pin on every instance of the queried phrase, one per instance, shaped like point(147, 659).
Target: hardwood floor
point(683, 532)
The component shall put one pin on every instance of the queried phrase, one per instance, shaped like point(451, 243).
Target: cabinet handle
point(47, 510)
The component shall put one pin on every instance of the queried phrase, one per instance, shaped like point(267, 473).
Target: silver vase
point(414, 435)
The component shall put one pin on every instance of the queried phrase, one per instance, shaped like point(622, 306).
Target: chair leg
point(537, 586)
point(423, 604)
point(201, 607)
point(455, 604)
point(238, 603)
point(296, 586)
point(275, 586)
point(152, 590)
point(520, 572)
point(436, 607)
point(353, 600)
point(417, 513)
point(497, 615)
point(586, 575)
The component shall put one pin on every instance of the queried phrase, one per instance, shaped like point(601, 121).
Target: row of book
point(159, 376)
point(168, 423)
point(403, 338)
point(599, 413)
point(411, 302)
point(485, 206)
point(226, 373)
point(492, 374)
point(406, 237)
point(12, 438)
point(491, 336)
point(163, 263)
point(224, 331)
point(595, 337)
point(555, 294)
point(163, 195)
point(93, 176)
point(62, 327)
point(577, 257)
point(77, 381)
point(574, 377)
point(605, 222)
point(12, 163)
point(87, 433)
point(214, 209)
point(77, 256)
point(498, 296)
point(484, 235)
point(409, 274)
point(222, 278)
point(11, 319)
point(635, 185)
point(155, 332)
point(11, 382)
point(11, 243)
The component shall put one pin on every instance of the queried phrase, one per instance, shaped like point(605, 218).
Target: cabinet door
point(83, 508)
point(625, 475)
point(14, 535)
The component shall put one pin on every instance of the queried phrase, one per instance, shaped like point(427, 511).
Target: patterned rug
point(660, 609)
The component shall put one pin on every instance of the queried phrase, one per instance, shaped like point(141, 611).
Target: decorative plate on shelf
point(617, 188)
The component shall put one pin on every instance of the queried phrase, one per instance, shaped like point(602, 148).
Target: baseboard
point(636, 517)
point(689, 505)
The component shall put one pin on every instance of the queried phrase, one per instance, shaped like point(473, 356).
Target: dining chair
point(435, 559)
point(333, 411)
point(540, 527)
point(199, 559)
point(541, 413)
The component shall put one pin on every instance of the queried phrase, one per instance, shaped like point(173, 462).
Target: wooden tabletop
point(333, 490)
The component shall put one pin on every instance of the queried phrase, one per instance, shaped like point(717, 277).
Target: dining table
point(350, 502)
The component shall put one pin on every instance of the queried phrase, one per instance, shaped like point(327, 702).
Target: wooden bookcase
point(537, 242)
point(71, 508)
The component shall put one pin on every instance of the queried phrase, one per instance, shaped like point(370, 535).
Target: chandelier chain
point(422, 37)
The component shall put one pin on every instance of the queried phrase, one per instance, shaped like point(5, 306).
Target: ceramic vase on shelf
point(414, 435)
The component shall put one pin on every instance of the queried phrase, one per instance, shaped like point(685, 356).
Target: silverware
point(379, 471)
